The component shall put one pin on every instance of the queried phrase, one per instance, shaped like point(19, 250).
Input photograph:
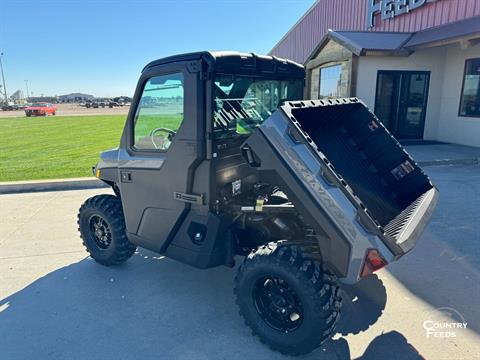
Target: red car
point(41, 109)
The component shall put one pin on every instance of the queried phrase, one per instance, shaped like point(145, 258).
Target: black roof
point(232, 62)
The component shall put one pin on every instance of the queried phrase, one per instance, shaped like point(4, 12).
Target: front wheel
point(102, 229)
point(286, 298)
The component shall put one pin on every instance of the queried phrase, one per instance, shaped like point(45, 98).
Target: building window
point(330, 81)
point(470, 100)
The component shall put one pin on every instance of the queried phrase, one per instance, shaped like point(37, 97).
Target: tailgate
point(347, 176)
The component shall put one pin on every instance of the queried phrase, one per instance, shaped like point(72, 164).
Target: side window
point(470, 98)
point(331, 82)
point(159, 112)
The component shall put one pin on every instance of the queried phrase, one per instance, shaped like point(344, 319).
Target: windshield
point(40, 105)
point(243, 103)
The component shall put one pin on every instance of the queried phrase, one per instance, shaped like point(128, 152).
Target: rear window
point(242, 103)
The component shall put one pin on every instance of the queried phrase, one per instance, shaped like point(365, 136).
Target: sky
point(99, 47)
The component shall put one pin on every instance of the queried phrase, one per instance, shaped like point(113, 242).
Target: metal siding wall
point(351, 15)
point(327, 14)
point(434, 14)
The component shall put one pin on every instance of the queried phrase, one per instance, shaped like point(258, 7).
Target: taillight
point(373, 262)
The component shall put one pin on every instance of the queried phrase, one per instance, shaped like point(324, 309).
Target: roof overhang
point(363, 43)
point(461, 31)
point(366, 43)
point(379, 43)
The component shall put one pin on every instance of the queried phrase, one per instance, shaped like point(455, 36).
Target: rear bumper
point(405, 230)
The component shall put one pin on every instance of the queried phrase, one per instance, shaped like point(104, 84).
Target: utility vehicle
point(219, 159)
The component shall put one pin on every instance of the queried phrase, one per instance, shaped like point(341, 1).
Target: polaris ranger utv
point(219, 159)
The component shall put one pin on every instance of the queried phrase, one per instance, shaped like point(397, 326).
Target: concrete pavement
point(444, 154)
point(56, 303)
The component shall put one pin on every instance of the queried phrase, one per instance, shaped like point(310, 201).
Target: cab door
point(161, 147)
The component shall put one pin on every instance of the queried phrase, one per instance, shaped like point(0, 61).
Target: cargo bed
point(347, 175)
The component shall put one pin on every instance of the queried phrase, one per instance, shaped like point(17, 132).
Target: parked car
point(92, 104)
point(113, 103)
point(95, 104)
point(21, 106)
point(102, 103)
point(41, 109)
point(12, 106)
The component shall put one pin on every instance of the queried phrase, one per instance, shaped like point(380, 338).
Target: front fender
point(107, 167)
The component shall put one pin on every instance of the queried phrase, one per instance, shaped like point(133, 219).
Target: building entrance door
point(401, 102)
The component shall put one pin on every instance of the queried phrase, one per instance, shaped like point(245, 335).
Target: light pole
point(26, 86)
point(3, 79)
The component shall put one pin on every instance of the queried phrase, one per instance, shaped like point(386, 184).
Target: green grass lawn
point(66, 146)
point(55, 146)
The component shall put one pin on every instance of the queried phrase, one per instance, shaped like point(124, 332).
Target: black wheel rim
point(278, 304)
point(100, 231)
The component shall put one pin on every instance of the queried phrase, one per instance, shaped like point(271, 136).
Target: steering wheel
point(166, 141)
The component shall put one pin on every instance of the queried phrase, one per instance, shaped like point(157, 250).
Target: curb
point(426, 163)
point(18, 187)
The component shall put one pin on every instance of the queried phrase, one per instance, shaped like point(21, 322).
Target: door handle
point(126, 176)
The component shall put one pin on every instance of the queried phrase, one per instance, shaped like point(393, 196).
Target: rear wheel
point(102, 229)
point(286, 298)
